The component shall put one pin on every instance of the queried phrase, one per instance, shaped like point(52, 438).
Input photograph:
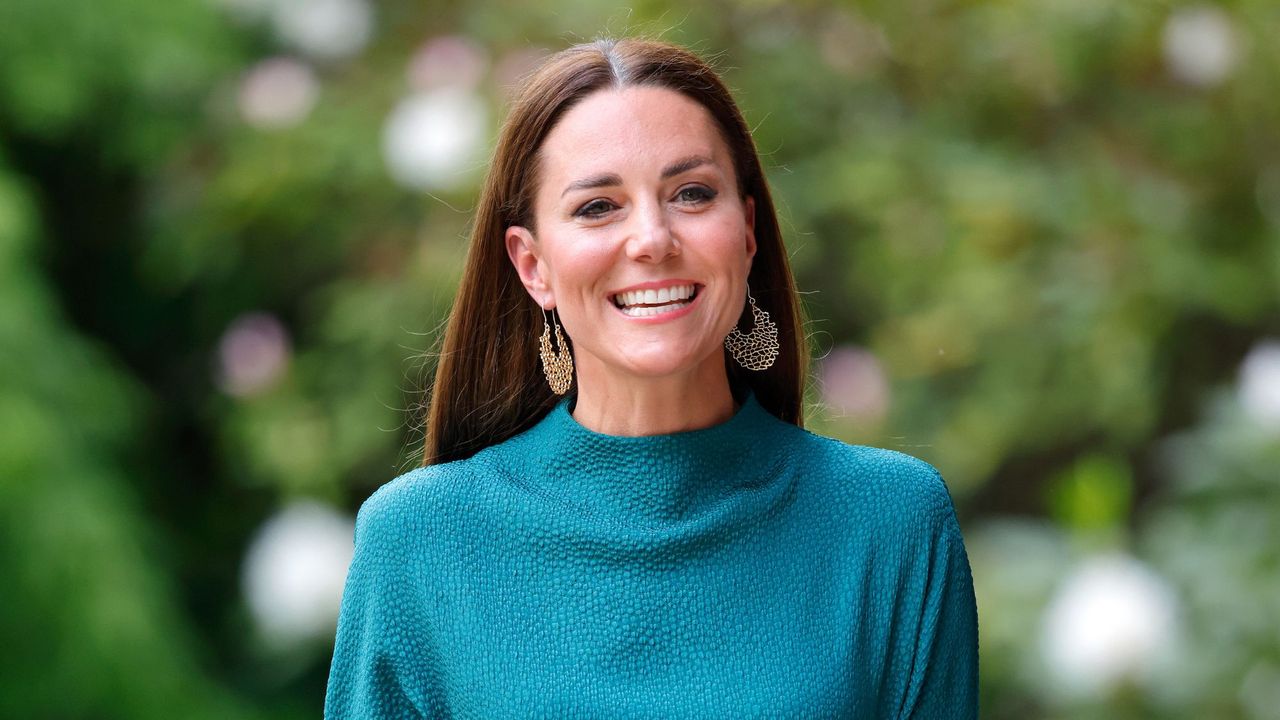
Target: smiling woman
point(610, 150)
point(637, 196)
point(632, 522)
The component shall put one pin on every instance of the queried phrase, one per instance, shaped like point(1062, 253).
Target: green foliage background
point(1058, 252)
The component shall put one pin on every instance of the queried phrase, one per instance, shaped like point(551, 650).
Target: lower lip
point(661, 317)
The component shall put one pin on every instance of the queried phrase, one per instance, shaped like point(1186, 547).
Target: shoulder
point(892, 481)
point(402, 506)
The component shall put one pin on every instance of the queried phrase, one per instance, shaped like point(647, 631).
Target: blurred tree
point(1034, 233)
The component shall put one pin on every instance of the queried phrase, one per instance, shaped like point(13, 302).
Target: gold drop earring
point(757, 349)
point(557, 366)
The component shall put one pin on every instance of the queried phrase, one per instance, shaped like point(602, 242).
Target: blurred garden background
point(1039, 242)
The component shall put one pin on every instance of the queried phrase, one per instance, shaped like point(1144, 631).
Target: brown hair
point(489, 383)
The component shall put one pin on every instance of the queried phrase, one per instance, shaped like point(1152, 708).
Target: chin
point(662, 362)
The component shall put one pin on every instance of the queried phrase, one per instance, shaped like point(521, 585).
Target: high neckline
point(644, 479)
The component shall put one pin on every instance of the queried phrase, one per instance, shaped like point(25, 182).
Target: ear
point(522, 248)
point(750, 208)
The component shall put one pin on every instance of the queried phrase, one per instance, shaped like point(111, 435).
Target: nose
point(649, 235)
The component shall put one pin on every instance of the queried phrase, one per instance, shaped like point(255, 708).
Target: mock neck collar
point(644, 479)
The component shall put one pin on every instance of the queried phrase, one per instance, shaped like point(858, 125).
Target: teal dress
point(747, 570)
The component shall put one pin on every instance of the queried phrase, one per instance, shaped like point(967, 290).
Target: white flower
point(1259, 389)
point(430, 139)
point(295, 570)
point(853, 383)
point(1112, 619)
point(326, 29)
point(277, 93)
point(1200, 46)
point(253, 354)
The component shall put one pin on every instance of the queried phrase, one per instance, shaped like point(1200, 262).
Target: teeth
point(641, 311)
point(654, 297)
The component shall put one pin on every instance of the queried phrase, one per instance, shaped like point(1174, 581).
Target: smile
point(662, 301)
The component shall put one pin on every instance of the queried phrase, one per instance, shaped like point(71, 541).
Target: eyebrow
point(611, 179)
point(685, 165)
point(595, 181)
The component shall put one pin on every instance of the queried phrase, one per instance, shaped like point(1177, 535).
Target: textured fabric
point(747, 570)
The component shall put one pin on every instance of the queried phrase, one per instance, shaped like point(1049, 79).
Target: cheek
point(577, 268)
point(721, 234)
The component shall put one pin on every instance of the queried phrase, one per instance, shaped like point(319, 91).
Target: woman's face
point(637, 193)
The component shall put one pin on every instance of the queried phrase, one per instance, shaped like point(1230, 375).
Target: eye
point(595, 208)
point(695, 194)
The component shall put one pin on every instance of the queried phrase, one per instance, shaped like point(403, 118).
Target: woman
point(622, 517)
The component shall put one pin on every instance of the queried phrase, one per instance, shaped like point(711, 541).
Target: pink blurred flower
point(447, 61)
point(853, 384)
point(515, 65)
point(252, 354)
point(277, 93)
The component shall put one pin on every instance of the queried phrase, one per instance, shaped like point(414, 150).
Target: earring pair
point(755, 350)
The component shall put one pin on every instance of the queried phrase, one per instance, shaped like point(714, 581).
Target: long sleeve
point(366, 677)
point(944, 677)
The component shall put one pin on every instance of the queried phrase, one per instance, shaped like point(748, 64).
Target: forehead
point(635, 127)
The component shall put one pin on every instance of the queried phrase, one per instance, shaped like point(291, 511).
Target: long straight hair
point(489, 384)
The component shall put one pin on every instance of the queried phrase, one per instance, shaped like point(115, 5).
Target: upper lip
point(655, 285)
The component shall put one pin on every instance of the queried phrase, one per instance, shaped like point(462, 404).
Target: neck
point(648, 481)
point(637, 407)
